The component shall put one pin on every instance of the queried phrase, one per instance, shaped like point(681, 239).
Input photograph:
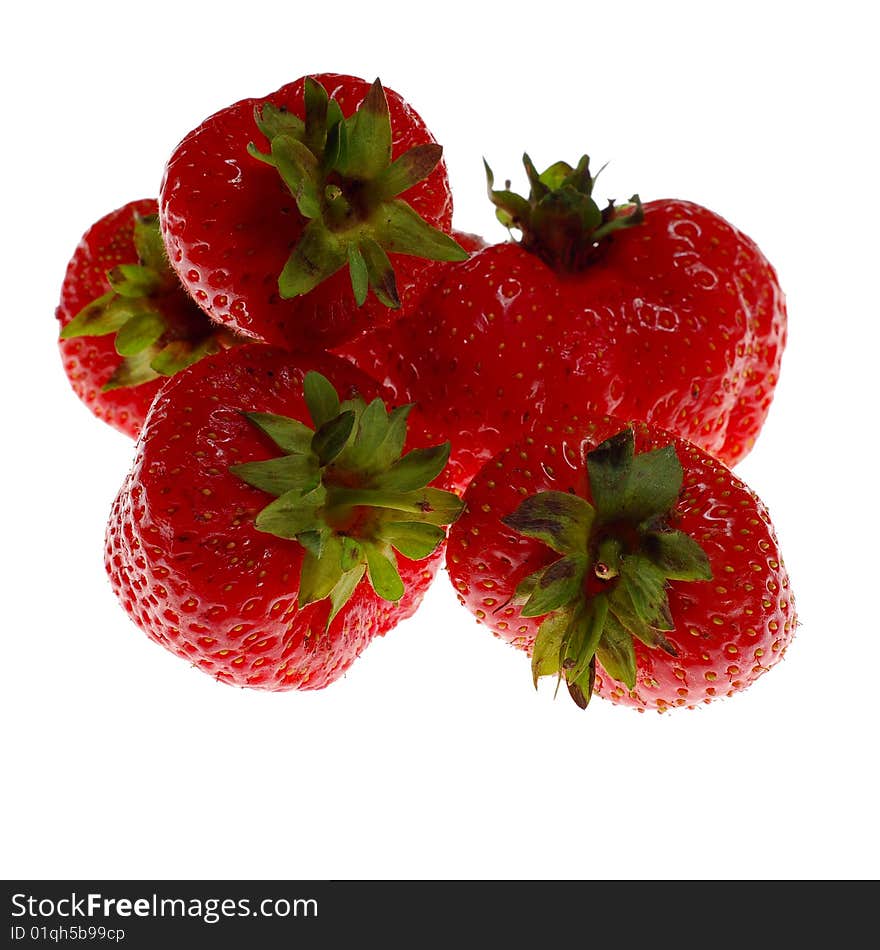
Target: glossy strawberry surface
point(182, 550)
point(679, 321)
point(230, 222)
point(727, 631)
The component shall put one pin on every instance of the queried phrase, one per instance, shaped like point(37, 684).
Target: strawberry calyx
point(158, 329)
point(341, 174)
point(610, 586)
point(348, 495)
point(559, 221)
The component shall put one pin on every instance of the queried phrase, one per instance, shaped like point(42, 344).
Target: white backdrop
point(434, 758)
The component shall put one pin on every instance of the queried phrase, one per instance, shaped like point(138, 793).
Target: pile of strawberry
point(332, 391)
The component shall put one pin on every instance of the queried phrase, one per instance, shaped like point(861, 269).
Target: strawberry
point(377, 350)
point(662, 312)
point(270, 526)
point(280, 212)
point(126, 322)
point(626, 561)
point(380, 353)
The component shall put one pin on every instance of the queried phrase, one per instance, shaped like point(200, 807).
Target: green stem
point(560, 221)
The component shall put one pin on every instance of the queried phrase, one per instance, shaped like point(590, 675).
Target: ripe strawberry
point(255, 535)
point(280, 212)
point(126, 323)
point(626, 561)
point(380, 353)
point(378, 350)
point(662, 312)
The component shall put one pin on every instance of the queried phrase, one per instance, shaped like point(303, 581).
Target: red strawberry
point(662, 312)
point(625, 561)
point(255, 535)
point(126, 323)
point(279, 213)
point(378, 351)
point(381, 353)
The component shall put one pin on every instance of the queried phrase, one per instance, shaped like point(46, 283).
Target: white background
point(434, 758)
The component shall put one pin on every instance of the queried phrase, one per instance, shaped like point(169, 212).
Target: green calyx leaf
point(318, 255)
point(643, 618)
point(296, 515)
point(414, 470)
point(320, 573)
point(629, 487)
point(289, 435)
point(560, 222)
point(413, 539)
point(401, 231)
point(348, 494)
point(383, 573)
point(379, 272)
point(272, 121)
point(134, 370)
point(566, 646)
point(317, 102)
point(561, 520)
point(106, 314)
point(134, 280)
point(322, 400)
point(615, 651)
point(645, 587)
point(619, 555)
point(277, 476)
point(332, 437)
point(299, 169)
point(340, 172)
point(548, 648)
point(412, 167)
point(150, 247)
point(343, 591)
point(158, 329)
point(178, 354)
point(369, 138)
point(677, 555)
point(140, 331)
point(558, 584)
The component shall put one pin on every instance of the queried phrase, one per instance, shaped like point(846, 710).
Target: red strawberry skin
point(229, 223)
point(680, 322)
point(379, 351)
point(184, 557)
point(728, 631)
point(89, 362)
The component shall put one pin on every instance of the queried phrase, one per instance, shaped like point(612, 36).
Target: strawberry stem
point(559, 221)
